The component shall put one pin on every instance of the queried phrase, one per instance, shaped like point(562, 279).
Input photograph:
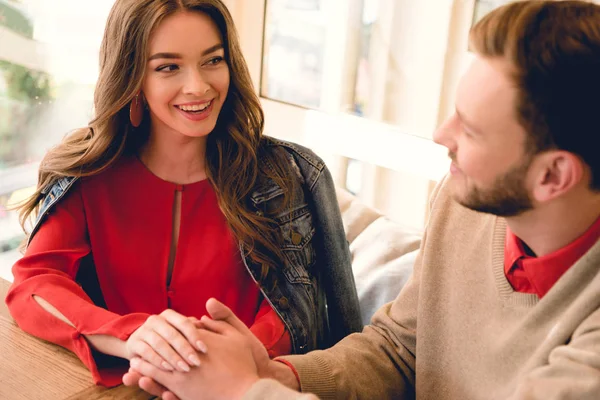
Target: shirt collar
point(544, 272)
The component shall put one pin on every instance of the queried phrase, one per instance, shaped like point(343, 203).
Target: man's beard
point(506, 198)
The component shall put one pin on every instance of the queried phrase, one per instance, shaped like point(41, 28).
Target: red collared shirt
point(530, 274)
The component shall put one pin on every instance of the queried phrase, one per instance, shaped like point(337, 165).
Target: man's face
point(486, 143)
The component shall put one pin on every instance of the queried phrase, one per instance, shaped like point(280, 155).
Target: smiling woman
point(172, 195)
point(190, 80)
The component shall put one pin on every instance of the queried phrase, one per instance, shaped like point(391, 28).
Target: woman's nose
point(196, 84)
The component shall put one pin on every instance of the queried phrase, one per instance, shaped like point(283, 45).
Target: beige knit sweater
point(459, 331)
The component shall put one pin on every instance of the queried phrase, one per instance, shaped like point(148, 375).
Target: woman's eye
point(215, 61)
point(167, 68)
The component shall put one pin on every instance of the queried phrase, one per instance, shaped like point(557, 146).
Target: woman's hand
point(168, 341)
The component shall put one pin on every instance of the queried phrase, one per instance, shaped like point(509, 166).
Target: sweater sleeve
point(48, 270)
point(271, 331)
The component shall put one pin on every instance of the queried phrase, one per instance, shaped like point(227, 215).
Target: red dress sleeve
point(271, 331)
point(48, 270)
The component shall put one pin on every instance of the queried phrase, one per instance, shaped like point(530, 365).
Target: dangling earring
point(136, 111)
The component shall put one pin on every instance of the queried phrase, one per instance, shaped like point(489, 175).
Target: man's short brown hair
point(553, 48)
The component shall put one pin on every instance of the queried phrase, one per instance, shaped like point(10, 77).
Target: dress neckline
point(145, 172)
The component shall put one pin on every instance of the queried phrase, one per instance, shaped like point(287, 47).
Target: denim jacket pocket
point(298, 230)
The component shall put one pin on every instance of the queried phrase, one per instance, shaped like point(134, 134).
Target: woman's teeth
point(195, 107)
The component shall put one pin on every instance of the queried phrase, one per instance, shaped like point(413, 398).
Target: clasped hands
point(176, 357)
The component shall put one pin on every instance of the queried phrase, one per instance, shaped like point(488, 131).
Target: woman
point(171, 196)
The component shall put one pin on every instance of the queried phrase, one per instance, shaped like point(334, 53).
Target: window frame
point(344, 135)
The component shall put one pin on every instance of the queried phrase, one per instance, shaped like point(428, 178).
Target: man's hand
point(223, 316)
point(223, 319)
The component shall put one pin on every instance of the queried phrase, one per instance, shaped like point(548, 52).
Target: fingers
point(169, 396)
point(179, 334)
point(131, 378)
point(220, 327)
point(219, 311)
point(165, 341)
point(134, 378)
point(186, 327)
point(146, 350)
point(150, 386)
point(168, 346)
point(145, 369)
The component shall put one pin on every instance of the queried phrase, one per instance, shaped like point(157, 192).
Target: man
point(504, 302)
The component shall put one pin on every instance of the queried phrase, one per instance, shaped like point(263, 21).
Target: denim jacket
point(315, 295)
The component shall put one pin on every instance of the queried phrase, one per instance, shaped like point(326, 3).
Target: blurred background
point(362, 82)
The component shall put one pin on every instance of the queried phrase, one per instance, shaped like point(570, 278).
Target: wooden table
point(32, 369)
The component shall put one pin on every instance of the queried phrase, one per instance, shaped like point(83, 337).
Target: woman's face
point(187, 77)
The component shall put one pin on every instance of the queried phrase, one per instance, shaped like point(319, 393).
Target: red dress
point(123, 217)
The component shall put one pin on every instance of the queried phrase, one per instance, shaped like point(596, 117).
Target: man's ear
point(555, 173)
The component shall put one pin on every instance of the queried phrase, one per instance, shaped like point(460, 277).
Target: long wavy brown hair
point(235, 155)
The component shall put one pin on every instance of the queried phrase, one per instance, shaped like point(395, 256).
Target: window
point(359, 57)
point(362, 82)
point(483, 7)
point(48, 68)
point(295, 37)
point(383, 60)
